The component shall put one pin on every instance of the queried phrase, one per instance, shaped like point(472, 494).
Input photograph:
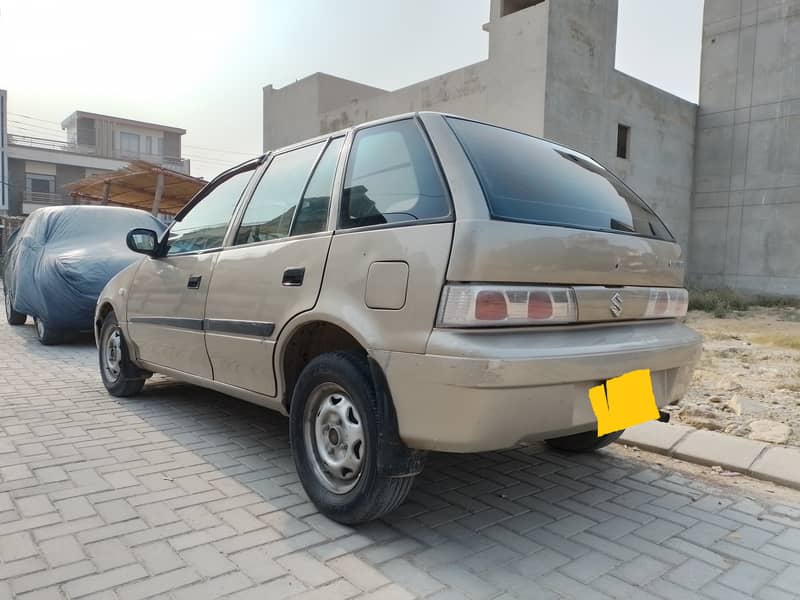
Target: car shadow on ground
point(487, 512)
point(529, 521)
point(27, 335)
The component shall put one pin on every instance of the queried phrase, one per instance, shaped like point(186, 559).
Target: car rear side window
point(271, 209)
point(312, 214)
point(391, 177)
point(204, 226)
point(532, 180)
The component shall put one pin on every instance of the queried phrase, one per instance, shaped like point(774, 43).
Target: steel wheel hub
point(334, 435)
point(113, 354)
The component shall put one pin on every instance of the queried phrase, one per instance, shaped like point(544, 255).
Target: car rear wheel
point(120, 376)
point(46, 334)
point(583, 442)
point(336, 443)
point(13, 317)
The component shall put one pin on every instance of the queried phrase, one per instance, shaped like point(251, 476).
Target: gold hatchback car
point(422, 282)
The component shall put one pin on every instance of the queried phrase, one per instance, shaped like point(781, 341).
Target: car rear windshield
point(531, 180)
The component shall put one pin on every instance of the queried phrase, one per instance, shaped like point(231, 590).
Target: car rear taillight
point(494, 305)
point(667, 303)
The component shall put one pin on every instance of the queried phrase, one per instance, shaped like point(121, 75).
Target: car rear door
point(166, 300)
point(272, 267)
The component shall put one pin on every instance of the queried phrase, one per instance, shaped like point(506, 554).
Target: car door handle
point(293, 276)
point(194, 282)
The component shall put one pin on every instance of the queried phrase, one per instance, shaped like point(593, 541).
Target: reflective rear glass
point(531, 180)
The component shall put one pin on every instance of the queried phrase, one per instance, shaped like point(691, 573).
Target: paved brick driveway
point(185, 494)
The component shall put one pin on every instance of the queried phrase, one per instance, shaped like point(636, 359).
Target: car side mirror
point(143, 241)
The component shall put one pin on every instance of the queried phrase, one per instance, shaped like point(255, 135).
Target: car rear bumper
point(480, 390)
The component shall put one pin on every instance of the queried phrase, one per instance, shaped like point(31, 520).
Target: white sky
point(201, 65)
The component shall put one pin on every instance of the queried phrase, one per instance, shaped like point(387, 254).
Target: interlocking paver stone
point(158, 557)
point(788, 580)
point(62, 551)
point(208, 561)
point(184, 494)
point(16, 546)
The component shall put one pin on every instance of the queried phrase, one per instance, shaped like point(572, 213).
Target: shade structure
point(141, 185)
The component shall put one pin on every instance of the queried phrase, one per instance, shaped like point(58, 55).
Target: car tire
point(583, 442)
point(336, 442)
point(120, 376)
point(13, 317)
point(46, 334)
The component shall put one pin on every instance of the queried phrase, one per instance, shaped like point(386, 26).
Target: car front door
point(166, 301)
point(272, 267)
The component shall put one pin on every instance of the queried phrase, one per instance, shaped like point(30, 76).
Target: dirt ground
point(748, 380)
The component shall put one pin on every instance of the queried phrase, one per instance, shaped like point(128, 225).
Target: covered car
point(60, 259)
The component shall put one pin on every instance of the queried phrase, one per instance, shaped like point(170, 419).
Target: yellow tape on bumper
point(623, 402)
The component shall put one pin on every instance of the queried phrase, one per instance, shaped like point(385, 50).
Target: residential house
point(39, 167)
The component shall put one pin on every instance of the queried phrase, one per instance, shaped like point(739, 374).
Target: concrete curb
point(779, 464)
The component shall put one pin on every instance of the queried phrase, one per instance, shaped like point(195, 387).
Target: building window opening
point(512, 6)
point(623, 141)
point(129, 144)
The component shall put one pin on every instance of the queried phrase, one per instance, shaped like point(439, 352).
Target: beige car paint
point(247, 285)
point(424, 248)
point(524, 252)
point(159, 289)
point(457, 390)
point(387, 285)
point(477, 390)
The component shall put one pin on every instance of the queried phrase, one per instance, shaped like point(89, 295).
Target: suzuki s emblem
point(615, 304)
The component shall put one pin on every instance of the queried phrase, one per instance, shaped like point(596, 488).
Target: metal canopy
point(141, 185)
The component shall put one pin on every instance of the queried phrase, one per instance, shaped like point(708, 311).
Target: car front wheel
point(120, 376)
point(46, 334)
point(13, 317)
point(583, 442)
point(334, 433)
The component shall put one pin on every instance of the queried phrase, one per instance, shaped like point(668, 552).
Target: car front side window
point(204, 226)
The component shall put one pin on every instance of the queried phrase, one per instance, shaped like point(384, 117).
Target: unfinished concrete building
point(550, 72)
point(734, 205)
point(745, 229)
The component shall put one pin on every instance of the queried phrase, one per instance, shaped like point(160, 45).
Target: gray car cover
point(61, 258)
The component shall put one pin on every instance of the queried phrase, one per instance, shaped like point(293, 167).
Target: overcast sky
point(201, 65)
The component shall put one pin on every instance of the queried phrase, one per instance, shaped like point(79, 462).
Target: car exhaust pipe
point(663, 416)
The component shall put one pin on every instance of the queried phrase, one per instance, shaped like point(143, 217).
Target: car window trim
point(495, 217)
point(250, 165)
point(238, 215)
point(448, 218)
point(189, 253)
point(327, 145)
point(338, 181)
point(307, 183)
point(303, 236)
point(407, 223)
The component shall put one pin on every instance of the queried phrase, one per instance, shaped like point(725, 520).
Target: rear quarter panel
point(342, 300)
point(425, 248)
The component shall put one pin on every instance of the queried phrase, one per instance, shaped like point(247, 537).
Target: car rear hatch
point(560, 219)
